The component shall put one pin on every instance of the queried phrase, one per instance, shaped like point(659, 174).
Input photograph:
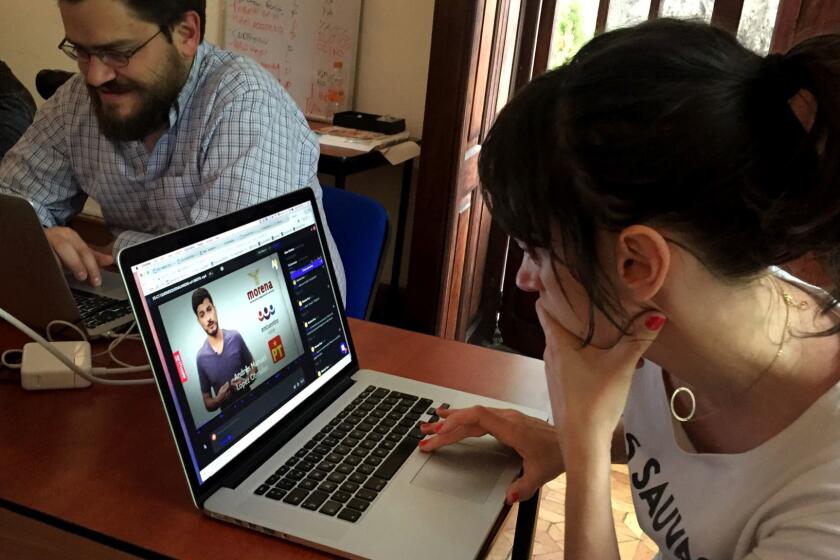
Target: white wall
point(392, 68)
point(394, 44)
point(30, 31)
point(391, 74)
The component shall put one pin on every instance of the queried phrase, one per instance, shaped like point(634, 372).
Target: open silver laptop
point(277, 428)
point(35, 289)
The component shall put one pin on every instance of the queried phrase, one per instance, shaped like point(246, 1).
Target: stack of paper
point(354, 139)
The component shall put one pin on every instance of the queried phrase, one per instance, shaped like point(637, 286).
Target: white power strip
point(39, 369)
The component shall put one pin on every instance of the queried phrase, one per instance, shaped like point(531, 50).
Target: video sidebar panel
point(315, 298)
point(273, 311)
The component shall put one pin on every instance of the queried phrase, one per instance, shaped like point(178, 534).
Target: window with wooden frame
point(563, 26)
point(576, 21)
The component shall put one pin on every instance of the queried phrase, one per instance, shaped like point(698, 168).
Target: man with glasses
point(162, 129)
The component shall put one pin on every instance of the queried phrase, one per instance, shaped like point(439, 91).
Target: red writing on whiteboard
point(245, 48)
point(333, 40)
point(271, 27)
point(246, 7)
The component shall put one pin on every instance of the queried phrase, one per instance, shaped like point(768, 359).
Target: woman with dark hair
point(656, 182)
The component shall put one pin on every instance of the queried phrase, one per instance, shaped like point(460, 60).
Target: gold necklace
point(789, 302)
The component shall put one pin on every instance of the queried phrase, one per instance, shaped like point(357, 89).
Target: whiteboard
point(298, 41)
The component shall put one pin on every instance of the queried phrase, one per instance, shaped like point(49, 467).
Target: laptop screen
point(246, 325)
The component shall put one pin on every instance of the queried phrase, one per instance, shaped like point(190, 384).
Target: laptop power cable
point(63, 365)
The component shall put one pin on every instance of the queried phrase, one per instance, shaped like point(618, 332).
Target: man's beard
point(155, 100)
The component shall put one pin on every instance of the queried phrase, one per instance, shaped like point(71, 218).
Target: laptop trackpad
point(112, 286)
point(466, 471)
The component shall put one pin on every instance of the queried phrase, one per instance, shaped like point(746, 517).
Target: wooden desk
point(103, 458)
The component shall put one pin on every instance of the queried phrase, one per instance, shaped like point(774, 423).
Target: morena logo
point(260, 290)
point(265, 313)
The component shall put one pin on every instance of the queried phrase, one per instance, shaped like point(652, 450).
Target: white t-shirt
point(778, 501)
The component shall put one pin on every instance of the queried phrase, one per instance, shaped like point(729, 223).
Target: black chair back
point(48, 81)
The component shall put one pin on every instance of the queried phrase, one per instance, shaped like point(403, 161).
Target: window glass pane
point(507, 54)
point(695, 9)
point(758, 20)
point(627, 12)
point(574, 25)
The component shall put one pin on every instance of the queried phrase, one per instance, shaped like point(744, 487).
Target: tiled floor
point(548, 541)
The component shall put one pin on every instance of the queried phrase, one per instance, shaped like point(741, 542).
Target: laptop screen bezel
point(137, 254)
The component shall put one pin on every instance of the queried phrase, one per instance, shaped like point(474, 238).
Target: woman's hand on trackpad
point(533, 439)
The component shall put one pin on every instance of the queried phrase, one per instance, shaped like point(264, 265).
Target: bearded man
point(161, 128)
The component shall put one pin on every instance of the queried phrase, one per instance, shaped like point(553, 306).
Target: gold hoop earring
point(693, 404)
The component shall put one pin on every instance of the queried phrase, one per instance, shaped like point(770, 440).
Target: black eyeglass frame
point(111, 58)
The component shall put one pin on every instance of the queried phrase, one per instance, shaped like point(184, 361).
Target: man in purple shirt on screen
point(224, 362)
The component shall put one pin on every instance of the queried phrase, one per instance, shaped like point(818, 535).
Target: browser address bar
point(192, 264)
point(225, 247)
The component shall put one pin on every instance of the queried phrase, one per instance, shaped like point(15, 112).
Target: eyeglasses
point(112, 58)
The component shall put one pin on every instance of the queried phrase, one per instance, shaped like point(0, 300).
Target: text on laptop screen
point(246, 326)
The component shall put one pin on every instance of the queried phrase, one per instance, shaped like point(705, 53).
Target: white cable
point(50, 325)
point(124, 364)
point(127, 368)
point(112, 346)
point(102, 372)
point(8, 364)
point(117, 340)
point(64, 359)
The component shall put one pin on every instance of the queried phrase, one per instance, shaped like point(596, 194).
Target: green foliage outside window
point(568, 34)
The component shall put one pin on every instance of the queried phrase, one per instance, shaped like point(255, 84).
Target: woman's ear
point(643, 258)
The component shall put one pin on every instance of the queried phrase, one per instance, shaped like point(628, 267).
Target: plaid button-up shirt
point(235, 138)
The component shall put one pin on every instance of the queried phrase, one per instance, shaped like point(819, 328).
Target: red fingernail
point(423, 442)
point(514, 497)
point(655, 322)
point(438, 427)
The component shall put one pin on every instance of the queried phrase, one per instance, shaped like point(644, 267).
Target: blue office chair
point(359, 226)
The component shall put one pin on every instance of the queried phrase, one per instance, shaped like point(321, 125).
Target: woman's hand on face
point(588, 386)
point(533, 439)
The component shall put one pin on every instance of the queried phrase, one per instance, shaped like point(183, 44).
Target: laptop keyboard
point(344, 467)
point(97, 310)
